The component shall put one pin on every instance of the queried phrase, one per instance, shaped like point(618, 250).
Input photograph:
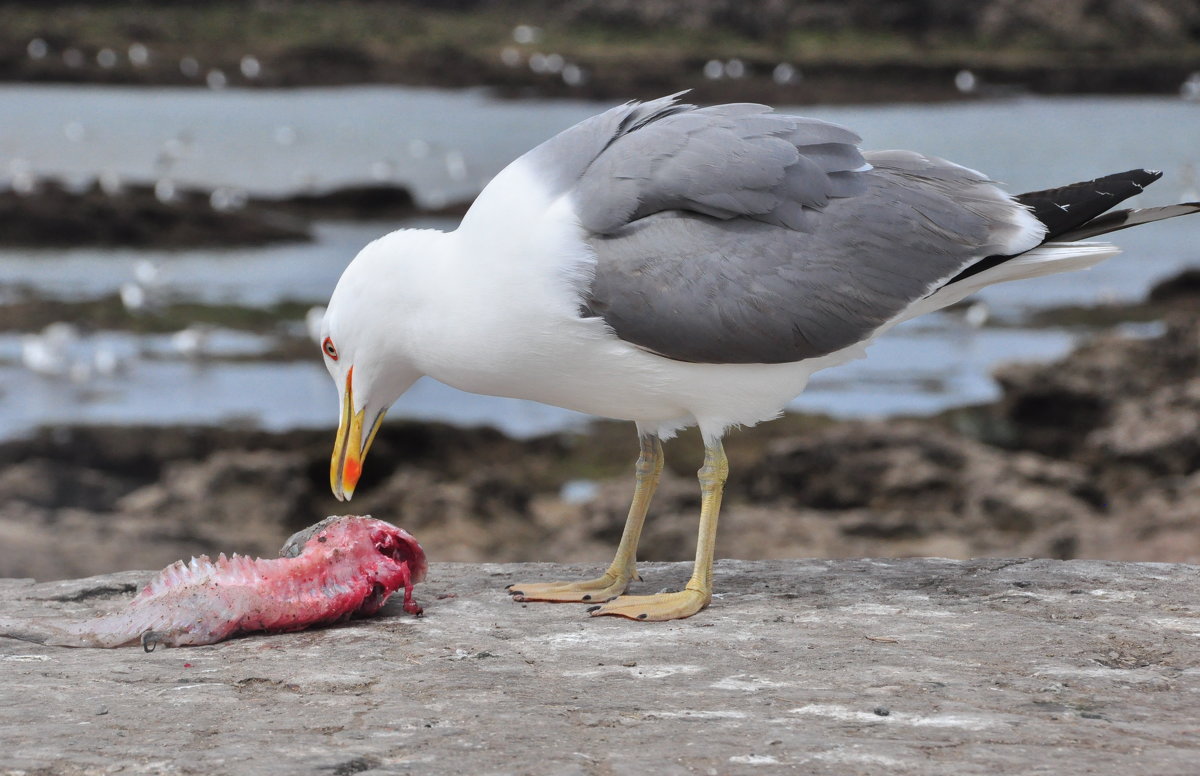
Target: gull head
point(366, 341)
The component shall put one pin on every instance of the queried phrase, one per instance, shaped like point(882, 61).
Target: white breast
point(508, 294)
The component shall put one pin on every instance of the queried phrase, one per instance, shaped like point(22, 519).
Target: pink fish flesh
point(342, 567)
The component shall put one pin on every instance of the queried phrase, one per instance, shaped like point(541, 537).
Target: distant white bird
point(191, 342)
point(785, 73)
point(59, 351)
point(165, 191)
point(147, 273)
point(679, 266)
point(146, 289)
point(977, 315)
point(50, 353)
point(250, 66)
point(139, 55)
point(1190, 88)
point(133, 297)
point(110, 183)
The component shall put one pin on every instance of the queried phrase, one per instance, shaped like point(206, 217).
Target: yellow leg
point(623, 569)
point(698, 592)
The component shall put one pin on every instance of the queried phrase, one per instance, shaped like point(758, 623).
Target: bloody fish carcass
point(342, 567)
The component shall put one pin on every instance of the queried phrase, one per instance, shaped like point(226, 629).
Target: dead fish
point(342, 567)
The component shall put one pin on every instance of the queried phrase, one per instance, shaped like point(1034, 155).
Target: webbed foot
point(657, 607)
point(603, 588)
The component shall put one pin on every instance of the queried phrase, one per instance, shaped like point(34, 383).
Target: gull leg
point(624, 566)
point(698, 592)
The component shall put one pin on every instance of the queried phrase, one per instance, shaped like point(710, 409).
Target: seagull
point(680, 266)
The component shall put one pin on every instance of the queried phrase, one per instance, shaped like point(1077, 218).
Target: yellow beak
point(349, 449)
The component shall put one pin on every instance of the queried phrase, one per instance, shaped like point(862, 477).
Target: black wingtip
point(1070, 207)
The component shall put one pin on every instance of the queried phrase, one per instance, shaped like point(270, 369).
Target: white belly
point(579, 364)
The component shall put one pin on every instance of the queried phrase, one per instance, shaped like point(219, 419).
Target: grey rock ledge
point(916, 666)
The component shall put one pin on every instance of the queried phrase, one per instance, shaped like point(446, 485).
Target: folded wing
point(732, 234)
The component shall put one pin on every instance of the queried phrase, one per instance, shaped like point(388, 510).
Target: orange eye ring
point(329, 349)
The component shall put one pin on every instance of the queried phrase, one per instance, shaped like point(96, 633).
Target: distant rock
point(144, 216)
point(831, 51)
point(906, 481)
point(1183, 287)
point(1159, 433)
point(1054, 408)
point(51, 216)
point(357, 201)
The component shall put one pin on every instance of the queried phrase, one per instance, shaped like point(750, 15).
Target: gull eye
point(329, 349)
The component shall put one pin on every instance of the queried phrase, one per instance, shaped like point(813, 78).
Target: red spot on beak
point(352, 471)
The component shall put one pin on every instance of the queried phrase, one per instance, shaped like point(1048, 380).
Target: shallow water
point(921, 368)
point(445, 144)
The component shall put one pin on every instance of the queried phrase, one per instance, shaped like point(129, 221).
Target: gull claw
point(604, 588)
point(657, 607)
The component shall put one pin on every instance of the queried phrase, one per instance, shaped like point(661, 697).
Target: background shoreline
point(805, 53)
point(141, 308)
point(1095, 455)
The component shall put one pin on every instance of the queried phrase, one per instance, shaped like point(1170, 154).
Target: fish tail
point(42, 631)
point(98, 632)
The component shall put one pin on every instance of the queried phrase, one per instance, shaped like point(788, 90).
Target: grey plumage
point(695, 288)
point(725, 161)
point(732, 234)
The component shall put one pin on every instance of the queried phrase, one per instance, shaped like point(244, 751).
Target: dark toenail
point(509, 587)
point(642, 616)
point(593, 608)
point(516, 592)
point(587, 598)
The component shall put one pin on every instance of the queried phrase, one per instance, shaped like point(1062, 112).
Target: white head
point(365, 344)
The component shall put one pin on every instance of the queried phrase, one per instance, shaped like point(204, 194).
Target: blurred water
point(274, 396)
point(922, 367)
point(444, 145)
point(249, 276)
point(275, 141)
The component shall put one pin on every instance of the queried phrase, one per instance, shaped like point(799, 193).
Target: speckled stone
point(984, 667)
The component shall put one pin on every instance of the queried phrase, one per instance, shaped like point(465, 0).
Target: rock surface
point(922, 666)
point(53, 216)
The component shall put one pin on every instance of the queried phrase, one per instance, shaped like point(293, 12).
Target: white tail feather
point(1048, 259)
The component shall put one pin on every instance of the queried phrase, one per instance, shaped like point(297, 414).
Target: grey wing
point(696, 288)
point(725, 161)
point(732, 234)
